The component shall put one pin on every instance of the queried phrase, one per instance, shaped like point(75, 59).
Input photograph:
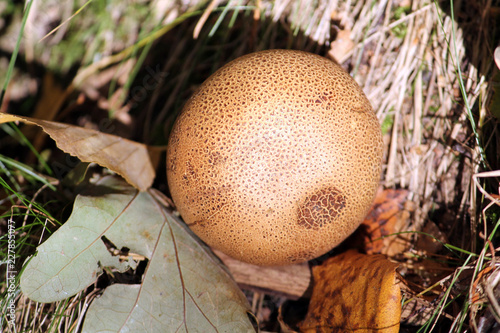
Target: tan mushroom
point(276, 158)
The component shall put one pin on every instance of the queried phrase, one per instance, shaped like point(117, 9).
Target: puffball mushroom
point(276, 158)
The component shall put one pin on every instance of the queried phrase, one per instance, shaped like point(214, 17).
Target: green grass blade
point(15, 52)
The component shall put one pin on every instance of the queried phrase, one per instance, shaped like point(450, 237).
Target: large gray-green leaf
point(184, 287)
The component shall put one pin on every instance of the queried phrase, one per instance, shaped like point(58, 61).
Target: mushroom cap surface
point(276, 158)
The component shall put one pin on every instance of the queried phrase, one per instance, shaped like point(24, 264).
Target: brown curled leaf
point(127, 158)
point(381, 230)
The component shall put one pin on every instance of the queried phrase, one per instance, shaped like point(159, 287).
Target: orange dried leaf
point(387, 216)
point(127, 158)
point(354, 292)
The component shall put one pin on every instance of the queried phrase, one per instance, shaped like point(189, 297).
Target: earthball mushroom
point(276, 157)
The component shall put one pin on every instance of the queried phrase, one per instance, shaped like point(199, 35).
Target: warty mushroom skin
point(276, 158)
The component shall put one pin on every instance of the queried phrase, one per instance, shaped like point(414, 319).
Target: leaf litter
point(183, 288)
point(125, 157)
point(354, 292)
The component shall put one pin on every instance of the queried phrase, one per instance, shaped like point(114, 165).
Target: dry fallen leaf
point(342, 46)
point(127, 158)
point(184, 288)
point(388, 215)
point(52, 97)
point(354, 292)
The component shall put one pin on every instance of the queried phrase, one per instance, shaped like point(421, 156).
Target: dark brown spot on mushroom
point(191, 170)
point(215, 158)
point(321, 208)
point(172, 164)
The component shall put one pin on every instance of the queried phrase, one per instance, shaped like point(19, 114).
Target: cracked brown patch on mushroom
point(321, 208)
